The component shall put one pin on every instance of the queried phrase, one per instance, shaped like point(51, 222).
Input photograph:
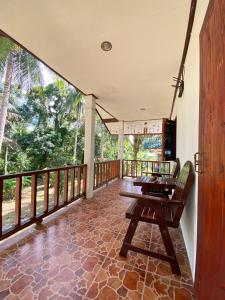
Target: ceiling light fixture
point(143, 109)
point(106, 46)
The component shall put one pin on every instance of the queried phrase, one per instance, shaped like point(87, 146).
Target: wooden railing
point(105, 172)
point(26, 198)
point(135, 168)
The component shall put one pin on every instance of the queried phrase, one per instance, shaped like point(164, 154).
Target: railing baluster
point(17, 220)
point(101, 174)
point(1, 200)
point(56, 189)
point(33, 196)
point(97, 175)
point(46, 192)
point(135, 168)
point(106, 171)
point(65, 186)
point(84, 179)
point(72, 175)
point(75, 182)
point(111, 170)
point(78, 181)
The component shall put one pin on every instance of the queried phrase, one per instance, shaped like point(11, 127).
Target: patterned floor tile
point(175, 234)
point(134, 259)
point(117, 280)
point(163, 268)
point(160, 288)
point(74, 255)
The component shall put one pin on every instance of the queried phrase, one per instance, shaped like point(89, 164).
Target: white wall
point(187, 113)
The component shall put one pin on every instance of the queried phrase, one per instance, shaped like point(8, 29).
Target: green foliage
point(45, 124)
point(43, 133)
point(9, 189)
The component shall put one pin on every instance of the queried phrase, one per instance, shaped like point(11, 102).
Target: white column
point(89, 147)
point(120, 147)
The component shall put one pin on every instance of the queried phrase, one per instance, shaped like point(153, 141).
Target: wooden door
point(210, 265)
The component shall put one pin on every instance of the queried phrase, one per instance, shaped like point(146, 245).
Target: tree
point(50, 118)
point(137, 142)
point(79, 112)
point(16, 66)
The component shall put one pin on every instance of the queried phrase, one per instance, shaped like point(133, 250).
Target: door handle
point(197, 162)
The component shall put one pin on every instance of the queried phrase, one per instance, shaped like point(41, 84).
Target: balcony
point(153, 73)
point(74, 253)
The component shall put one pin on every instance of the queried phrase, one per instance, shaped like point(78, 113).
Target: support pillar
point(120, 147)
point(89, 148)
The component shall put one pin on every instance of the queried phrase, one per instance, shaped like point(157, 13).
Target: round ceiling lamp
point(106, 46)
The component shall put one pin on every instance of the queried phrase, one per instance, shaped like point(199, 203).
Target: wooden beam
point(110, 120)
point(102, 121)
point(186, 45)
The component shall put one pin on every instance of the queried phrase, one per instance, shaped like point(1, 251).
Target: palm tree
point(19, 67)
point(73, 107)
point(79, 112)
point(137, 141)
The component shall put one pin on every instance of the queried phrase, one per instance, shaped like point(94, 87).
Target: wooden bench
point(161, 211)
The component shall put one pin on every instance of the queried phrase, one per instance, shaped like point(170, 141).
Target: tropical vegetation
point(42, 124)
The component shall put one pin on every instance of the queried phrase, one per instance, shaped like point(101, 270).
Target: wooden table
point(158, 184)
point(158, 174)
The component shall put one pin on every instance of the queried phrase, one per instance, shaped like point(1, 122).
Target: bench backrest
point(176, 168)
point(183, 186)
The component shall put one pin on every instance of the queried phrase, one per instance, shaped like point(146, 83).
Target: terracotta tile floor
point(74, 254)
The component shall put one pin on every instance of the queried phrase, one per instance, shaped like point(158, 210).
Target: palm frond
point(6, 45)
point(26, 70)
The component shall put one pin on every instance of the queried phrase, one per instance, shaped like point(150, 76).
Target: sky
point(47, 74)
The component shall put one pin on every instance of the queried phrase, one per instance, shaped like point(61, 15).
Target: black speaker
point(170, 140)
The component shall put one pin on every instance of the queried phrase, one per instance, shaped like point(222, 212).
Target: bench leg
point(167, 241)
point(131, 230)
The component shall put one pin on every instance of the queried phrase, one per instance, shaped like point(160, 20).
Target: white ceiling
point(147, 38)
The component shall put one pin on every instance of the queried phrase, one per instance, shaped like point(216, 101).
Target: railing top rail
point(30, 173)
point(107, 161)
point(154, 161)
